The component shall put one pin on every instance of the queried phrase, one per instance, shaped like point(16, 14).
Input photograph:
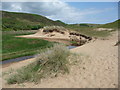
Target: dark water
point(71, 47)
point(25, 57)
point(16, 59)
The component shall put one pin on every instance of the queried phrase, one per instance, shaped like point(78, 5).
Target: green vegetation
point(52, 59)
point(94, 33)
point(89, 31)
point(74, 43)
point(13, 47)
point(84, 25)
point(111, 25)
point(50, 62)
point(25, 21)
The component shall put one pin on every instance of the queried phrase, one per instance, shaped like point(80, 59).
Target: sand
point(53, 35)
point(96, 67)
point(62, 36)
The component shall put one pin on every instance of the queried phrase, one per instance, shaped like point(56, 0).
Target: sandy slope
point(103, 63)
point(97, 66)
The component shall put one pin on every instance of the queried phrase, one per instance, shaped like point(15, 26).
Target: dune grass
point(49, 63)
point(89, 31)
point(94, 33)
point(13, 47)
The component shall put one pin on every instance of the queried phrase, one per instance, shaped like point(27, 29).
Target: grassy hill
point(25, 21)
point(107, 25)
point(111, 25)
point(84, 25)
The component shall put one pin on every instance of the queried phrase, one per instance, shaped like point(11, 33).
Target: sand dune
point(96, 67)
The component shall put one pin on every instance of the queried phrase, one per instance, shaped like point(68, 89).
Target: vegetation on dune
point(114, 24)
point(13, 47)
point(49, 63)
point(94, 33)
point(89, 31)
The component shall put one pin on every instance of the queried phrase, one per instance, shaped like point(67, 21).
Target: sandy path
point(96, 67)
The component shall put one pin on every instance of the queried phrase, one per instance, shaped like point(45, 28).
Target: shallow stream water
point(25, 57)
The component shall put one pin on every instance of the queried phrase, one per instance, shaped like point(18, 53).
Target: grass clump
point(51, 62)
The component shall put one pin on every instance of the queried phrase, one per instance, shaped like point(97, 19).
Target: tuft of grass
point(49, 63)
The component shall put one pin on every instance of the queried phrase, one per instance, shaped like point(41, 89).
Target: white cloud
point(56, 10)
point(60, 0)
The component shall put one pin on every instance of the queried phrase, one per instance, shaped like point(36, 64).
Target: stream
point(25, 57)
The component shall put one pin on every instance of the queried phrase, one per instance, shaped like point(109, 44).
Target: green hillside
point(85, 25)
point(25, 21)
point(111, 25)
point(107, 25)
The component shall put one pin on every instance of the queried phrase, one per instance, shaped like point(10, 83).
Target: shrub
point(54, 59)
point(50, 63)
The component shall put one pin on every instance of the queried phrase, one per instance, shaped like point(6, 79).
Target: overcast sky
point(68, 12)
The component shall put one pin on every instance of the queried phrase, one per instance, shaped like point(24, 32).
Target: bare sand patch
point(59, 34)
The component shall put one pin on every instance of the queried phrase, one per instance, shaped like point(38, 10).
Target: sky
point(68, 12)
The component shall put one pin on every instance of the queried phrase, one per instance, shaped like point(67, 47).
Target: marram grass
point(49, 63)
